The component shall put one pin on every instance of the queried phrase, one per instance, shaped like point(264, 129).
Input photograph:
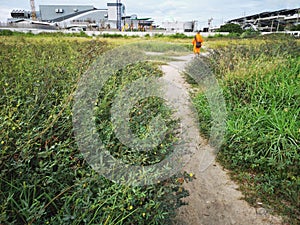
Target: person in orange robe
point(197, 38)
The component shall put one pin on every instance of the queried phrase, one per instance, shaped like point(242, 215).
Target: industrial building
point(83, 16)
point(179, 26)
point(270, 21)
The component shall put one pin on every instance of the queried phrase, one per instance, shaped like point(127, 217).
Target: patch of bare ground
point(214, 198)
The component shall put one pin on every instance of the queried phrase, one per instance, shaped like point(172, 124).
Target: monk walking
point(197, 42)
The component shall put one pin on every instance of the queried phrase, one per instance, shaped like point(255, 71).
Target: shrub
point(159, 35)
point(179, 35)
point(217, 36)
point(111, 35)
point(295, 28)
point(231, 28)
point(6, 33)
point(250, 34)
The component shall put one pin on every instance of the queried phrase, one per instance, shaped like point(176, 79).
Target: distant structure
point(33, 12)
point(82, 16)
point(269, 21)
point(179, 26)
point(119, 7)
point(20, 14)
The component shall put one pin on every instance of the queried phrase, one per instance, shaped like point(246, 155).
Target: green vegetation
point(295, 28)
point(141, 115)
point(6, 33)
point(163, 47)
point(180, 36)
point(260, 81)
point(105, 35)
point(231, 28)
point(250, 33)
point(43, 34)
point(43, 177)
point(172, 36)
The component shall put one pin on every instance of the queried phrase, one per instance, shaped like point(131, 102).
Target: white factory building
point(84, 16)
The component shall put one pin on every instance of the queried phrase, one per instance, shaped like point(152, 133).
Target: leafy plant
point(44, 179)
point(231, 28)
point(295, 28)
point(250, 33)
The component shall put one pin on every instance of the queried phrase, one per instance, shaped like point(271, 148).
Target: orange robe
point(199, 38)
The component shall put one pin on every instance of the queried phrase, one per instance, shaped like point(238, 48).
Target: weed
point(44, 179)
point(260, 82)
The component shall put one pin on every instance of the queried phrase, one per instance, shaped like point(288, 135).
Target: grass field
point(260, 79)
point(44, 178)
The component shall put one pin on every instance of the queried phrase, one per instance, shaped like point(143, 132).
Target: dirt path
point(214, 198)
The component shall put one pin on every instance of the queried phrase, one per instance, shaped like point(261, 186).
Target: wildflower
point(130, 207)
point(286, 110)
point(2, 142)
point(191, 174)
point(180, 180)
point(144, 214)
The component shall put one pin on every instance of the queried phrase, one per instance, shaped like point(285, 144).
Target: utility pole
point(33, 12)
point(209, 23)
point(278, 23)
point(272, 25)
point(119, 15)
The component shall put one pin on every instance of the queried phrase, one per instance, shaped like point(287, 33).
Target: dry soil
point(214, 198)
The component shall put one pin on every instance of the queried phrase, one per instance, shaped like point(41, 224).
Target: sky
point(172, 10)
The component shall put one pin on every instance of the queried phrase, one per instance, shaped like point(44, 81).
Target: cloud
point(4, 13)
point(179, 10)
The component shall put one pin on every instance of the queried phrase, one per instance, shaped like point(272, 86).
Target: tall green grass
point(261, 85)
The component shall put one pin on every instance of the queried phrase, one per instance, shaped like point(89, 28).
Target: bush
point(225, 37)
point(159, 35)
point(6, 33)
point(295, 28)
point(234, 35)
point(218, 36)
point(231, 28)
point(179, 36)
point(111, 35)
point(250, 34)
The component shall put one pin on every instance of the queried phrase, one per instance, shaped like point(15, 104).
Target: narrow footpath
point(214, 198)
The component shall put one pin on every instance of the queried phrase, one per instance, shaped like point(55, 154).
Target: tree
point(295, 28)
point(231, 28)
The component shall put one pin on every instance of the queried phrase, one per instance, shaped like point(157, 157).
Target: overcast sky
point(177, 10)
